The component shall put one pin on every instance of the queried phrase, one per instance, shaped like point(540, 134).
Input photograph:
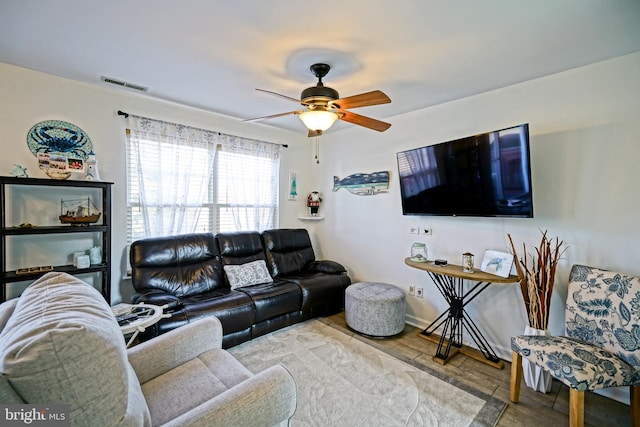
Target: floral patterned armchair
point(602, 344)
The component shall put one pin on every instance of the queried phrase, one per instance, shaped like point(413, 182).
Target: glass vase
point(419, 252)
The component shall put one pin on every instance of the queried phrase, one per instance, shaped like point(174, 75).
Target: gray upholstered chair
point(61, 344)
point(601, 348)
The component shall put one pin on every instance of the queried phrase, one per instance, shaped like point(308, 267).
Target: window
point(185, 180)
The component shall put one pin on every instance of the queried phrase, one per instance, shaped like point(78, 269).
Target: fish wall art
point(363, 184)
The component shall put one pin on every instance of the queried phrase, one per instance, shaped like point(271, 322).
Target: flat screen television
point(484, 175)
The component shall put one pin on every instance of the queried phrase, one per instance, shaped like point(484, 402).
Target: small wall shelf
point(310, 218)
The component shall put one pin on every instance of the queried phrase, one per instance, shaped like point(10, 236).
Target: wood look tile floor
point(534, 408)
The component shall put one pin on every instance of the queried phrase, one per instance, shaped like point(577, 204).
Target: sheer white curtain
point(184, 180)
point(248, 183)
point(170, 171)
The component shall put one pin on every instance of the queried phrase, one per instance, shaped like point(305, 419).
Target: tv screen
point(482, 175)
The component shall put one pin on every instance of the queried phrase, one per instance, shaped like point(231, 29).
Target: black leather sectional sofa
point(187, 272)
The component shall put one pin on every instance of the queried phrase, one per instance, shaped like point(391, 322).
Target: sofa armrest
point(167, 351)
point(326, 266)
point(268, 398)
point(158, 297)
point(6, 310)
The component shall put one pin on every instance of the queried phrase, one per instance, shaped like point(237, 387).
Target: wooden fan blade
point(313, 133)
point(375, 97)
point(367, 122)
point(281, 96)
point(257, 119)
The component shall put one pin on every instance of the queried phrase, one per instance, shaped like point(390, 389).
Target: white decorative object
point(496, 262)
point(419, 252)
point(146, 315)
point(83, 261)
point(534, 376)
point(95, 255)
point(92, 168)
point(77, 255)
point(19, 171)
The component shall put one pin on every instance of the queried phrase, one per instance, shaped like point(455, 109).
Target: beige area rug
point(343, 381)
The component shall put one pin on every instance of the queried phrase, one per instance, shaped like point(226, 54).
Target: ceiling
point(212, 54)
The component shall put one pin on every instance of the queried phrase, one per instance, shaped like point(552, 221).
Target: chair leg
point(516, 376)
point(634, 392)
point(576, 408)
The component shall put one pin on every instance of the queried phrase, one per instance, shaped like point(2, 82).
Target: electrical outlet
point(425, 231)
point(414, 230)
point(412, 290)
point(419, 292)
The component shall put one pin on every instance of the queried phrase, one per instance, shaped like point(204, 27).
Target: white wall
point(585, 146)
point(28, 97)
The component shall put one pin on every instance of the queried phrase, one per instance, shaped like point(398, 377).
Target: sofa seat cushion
point(274, 299)
point(211, 374)
point(321, 289)
point(235, 309)
point(578, 364)
point(61, 340)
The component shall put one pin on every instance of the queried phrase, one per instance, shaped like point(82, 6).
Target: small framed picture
point(293, 186)
point(58, 162)
point(75, 165)
point(498, 263)
point(44, 160)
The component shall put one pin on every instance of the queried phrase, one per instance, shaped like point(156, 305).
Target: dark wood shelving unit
point(104, 227)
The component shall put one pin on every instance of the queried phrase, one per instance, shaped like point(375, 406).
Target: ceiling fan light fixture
point(318, 119)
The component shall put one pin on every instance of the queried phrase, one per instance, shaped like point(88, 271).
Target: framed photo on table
point(498, 263)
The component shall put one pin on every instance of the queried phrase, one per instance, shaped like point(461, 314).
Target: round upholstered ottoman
point(376, 309)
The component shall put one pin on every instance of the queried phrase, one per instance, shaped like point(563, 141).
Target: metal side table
point(449, 281)
point(135, 318)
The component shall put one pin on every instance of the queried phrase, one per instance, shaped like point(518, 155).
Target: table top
point(456, 271)
point(147, 315)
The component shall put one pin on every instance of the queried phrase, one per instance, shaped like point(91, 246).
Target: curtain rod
point(126, 115)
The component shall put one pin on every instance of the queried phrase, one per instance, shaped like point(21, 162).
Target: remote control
point(126, 318)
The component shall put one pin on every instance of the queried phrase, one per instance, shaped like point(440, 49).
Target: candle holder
point(467, 262)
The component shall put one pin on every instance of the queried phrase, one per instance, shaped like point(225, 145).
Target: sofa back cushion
point(182, 265)
point(288, 251)
point(63, 345)
point(240, 247)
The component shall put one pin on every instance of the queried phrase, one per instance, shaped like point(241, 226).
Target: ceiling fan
point(323, 106)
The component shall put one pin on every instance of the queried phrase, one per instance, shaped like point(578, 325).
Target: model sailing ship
point(78, 212)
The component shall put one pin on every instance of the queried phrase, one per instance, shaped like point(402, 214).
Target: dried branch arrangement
point(537, 275)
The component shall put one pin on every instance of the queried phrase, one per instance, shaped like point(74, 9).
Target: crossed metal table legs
point(456, 320)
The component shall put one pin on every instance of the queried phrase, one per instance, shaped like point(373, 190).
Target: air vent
point(123, 84)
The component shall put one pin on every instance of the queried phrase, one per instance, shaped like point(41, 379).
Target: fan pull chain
point(317, 148)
